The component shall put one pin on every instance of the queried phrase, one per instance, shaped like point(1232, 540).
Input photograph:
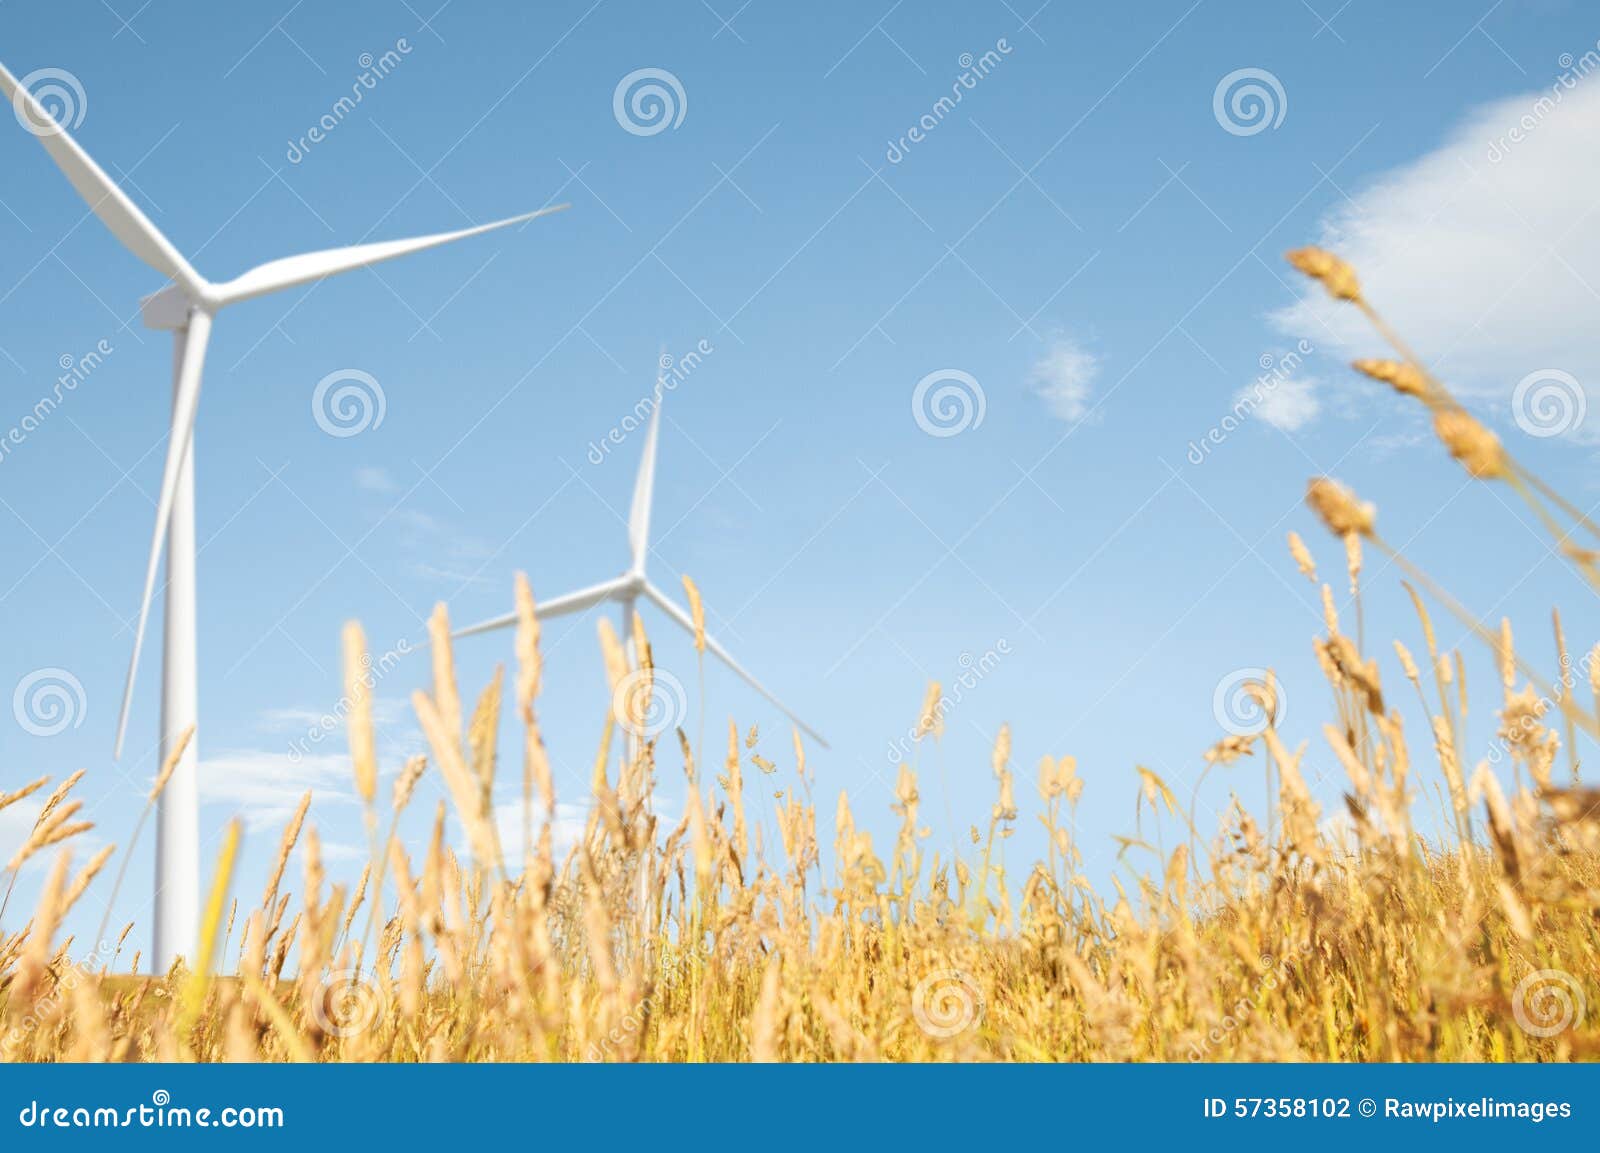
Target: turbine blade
point(644, 490)
point(118, 213)
point(309, 266)
point(185, 402)
point(557, 606)
point(683, 618)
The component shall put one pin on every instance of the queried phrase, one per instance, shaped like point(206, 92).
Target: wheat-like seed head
point(1334, 274)
point(1478, 449)
point(529, 665)
point(27, 790)
point(291, 834)
point(931, 717)
point(358, 724)
point(1302, 557)
point(698, 611)
point(1339, 509)
point(406, 783)
point(612, 652)
point(1405, 378)
point(84, 879)
point(170, 765)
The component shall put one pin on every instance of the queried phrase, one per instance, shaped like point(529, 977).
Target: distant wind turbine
point(186, 307)
point(633, 585)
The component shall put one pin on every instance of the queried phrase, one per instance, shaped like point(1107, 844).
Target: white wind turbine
point(186, 308)
point(633, 585)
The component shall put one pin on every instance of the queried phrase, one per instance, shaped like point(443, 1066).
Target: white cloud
point(337, 852)
point(565, 832)
point(386, 713)
point(1382, 446)
point(266, 786)
point(1484, 254)
point(1290, 404)
point(1063, 377)
point(375, 480)
point(459, 577)
point(446, 556)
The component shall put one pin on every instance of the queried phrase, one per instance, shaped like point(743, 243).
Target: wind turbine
point(634, 585)
point(186, 308)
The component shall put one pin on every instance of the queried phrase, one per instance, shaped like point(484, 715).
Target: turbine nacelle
point(167, 310)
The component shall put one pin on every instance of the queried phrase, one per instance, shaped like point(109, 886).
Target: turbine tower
point(186, 308)
point(635, 585)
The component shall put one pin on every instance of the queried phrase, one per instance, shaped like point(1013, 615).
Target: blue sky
point(1084, 236)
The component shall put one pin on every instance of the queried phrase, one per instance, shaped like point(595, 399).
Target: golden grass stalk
point(168, 767)
point(210, 922)
point(358, 720)
point(27, 790)
point(689, 943)
point(698, 611)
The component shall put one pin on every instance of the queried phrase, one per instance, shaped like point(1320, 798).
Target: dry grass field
point(723, 939)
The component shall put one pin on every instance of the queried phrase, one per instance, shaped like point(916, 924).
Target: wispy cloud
point(1290, 404)
point(376, 480)
point(265, 786)
point(445, 555)
point(387, 712)
point(565, 833)
point(1064, 377)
